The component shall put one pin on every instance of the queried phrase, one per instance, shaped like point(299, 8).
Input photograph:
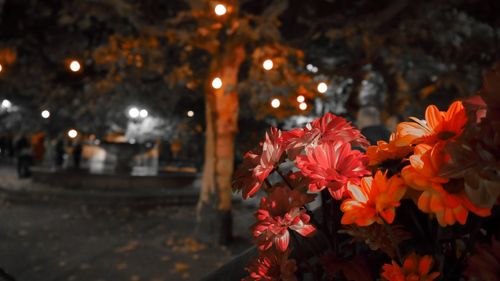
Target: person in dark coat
point(59, 152)
point(77, 154)
point(371, 127)
point(23, 157)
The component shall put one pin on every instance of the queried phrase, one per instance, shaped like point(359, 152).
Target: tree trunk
point(214, 205)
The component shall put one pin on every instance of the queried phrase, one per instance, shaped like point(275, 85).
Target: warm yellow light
point(268, 64)
point(217, 83)
point(74, 66)
point(45, 114)
point(322, 87)
point(1, 67)
point(72, 133)
point(275, 103)
point(190, 113)
point(301, 98)
point(303, 106)
point(220, 10)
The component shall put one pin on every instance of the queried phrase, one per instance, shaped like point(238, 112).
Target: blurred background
point(122, 121)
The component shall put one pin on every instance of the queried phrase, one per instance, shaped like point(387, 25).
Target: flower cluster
point(432, 173)
point(323, 158)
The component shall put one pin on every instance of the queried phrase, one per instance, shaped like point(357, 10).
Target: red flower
point(415, 268)
point(329, 128)
point(332, 165)
point(244, 178)
point(278, 213)
point(272, 266)
point(255, 168)
point(272, 149)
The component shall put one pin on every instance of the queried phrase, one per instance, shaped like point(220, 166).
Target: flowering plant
point(419, 207)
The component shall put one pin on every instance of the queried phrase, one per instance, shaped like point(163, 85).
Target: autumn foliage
point(417, 201)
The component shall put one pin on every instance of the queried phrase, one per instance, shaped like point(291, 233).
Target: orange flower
point(375, 200)
point(415, 268)
point(449, 204)
point(384, 151)
point(438, 126)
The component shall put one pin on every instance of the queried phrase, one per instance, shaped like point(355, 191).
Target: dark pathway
point(63, 242)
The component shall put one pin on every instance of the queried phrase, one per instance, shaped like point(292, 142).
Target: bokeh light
point(268, 64)
point(133, 112)
point(72, 133)
point(190, 113)
point(216, 83)
point(322, 87)
point(275, 103)
point(301, 98)
point(220, 10)
point(74, 66)
point(45, 114)
point(6, 103)
point(143, 113)
point(303, 106)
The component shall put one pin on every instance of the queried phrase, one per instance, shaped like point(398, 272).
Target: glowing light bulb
point(6, 104)
point(303, 106)
point(133, 112)
point(190, 113)
point(45, 114)
point(322, 87)
point(72, 133)
point(217, 83)
point(1, 67)
point(74, 66)
point(275, 103)
point(268, 64)
point(301, 99)
point(220, 10)
point(143, 113)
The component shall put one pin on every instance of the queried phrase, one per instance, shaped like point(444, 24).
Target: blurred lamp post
point(322, 87)
point(268, 64)
point(45, 114)
point(72, 133)
point(75, 66)
point(275, 103)
point(220, 9)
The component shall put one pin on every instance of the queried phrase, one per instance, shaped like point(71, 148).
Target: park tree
point(155, 52)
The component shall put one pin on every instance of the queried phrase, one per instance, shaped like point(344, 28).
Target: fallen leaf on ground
point(181, 266)
point(121, 266)
point(130, 246)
